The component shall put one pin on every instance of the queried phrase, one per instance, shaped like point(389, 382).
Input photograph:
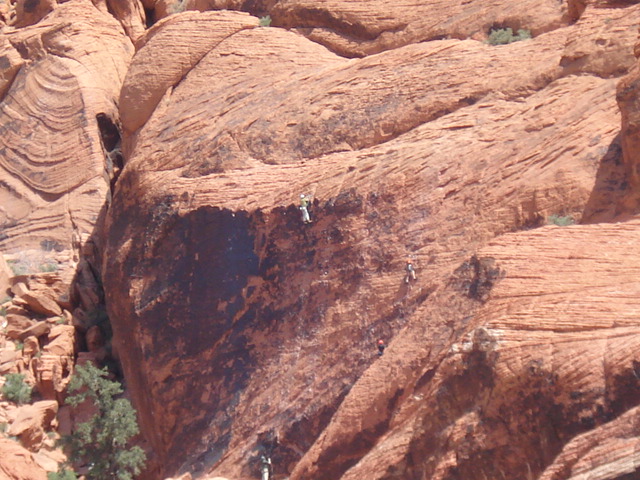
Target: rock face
point(242, 331)
point(17, 463)
point(32, 421)
point(356, 28)
point(58, 112)
point(512, 355)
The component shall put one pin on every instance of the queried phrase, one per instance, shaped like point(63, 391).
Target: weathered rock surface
point(243, 332)
point(627, 95)
point(181, 41)
point(356, 28)
point(437, 150)
point(32, 421)
point(31, 12)
point(56, 118)
point(17, 463)
point(16, 324)
point(528, 376)
point(130, 14)
point(42, 351)
point(5, 275)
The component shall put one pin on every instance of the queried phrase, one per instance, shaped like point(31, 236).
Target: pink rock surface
point(242, 331)
point(52, 169)
point(17, 463)
point(437, 150)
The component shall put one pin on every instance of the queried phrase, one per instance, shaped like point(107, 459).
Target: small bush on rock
point(62, 475)
point(15, 389)
point(502, 36)
point(560, 220)
point(265, 21)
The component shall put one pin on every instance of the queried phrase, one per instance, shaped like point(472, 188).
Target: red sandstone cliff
point(242, 331)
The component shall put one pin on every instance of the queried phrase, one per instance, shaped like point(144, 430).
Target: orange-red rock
point(17, 463)
point(437, 150)
point(41, 304)
point(30, 12)
point(54, 145)
point(169, 44)
point(5, 275)
point(52, 374)
point(60, 341)
point(241, 330)
point(32, 421)
point(16, 324)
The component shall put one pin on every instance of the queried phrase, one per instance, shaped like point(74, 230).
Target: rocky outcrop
point(511, 385)
point(41, 348)
point(31, 12)
point(438, 150)
point(355, 28)
point(17, 463)
point(58, 115)
point(32, 421)
point(5, 275)
point(244, 332)
point(145, 84)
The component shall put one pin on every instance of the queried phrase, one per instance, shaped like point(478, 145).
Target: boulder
point(32, 421)
point(52, 374)
point(41, 303)
point(31, 346)
point(45, 461)
point(17, 463)
point(60, 341)
point(38, 329)
point(56, 284)
point(16, 324)
point(8, 361)
point(19, 288)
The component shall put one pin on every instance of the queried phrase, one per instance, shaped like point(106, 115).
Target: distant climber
point(381, 347)
point(265, 467)
point(411, 271)
point(304, 208)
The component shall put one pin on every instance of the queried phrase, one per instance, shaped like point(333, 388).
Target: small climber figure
point(381, 347)
point(304, 208)
point(265, 467)
point(411, 271)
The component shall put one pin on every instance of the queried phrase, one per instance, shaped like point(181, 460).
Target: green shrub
point(62, 475)
point(265, 21)
point(560, 220)
point(15, 389)
point(18, 268)
point(102, 443)
point(502, 36)
point(48, 267)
